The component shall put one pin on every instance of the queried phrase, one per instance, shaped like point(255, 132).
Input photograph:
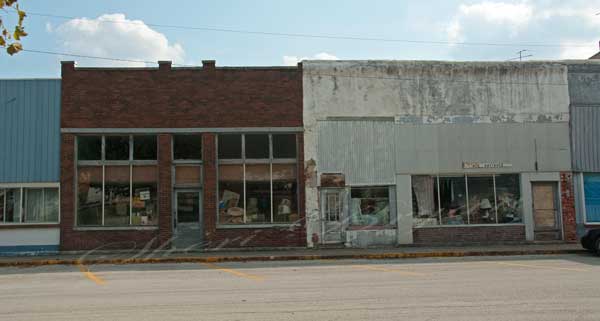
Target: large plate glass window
point(120, 188)
point(257, 178)
point(466, 199)
point(591, 191)
point(29, 205)
point(370, 206)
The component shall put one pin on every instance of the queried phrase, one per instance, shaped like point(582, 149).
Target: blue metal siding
point(29, 130)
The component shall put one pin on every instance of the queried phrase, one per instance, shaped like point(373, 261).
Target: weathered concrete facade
point(379, 123)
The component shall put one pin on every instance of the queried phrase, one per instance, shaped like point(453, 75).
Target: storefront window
point(369, 206)
point(29, 205)
point(116, 147)
point(482, 205)
point(187, 147)
point(254, 188)
point(89, 196)
point(284, 193)
point(121, 189)
point(145, 197)
point(453, 205)
point(508, 195)
point(116, 195)
point(230, 146)
point(89, 148)
point(425, 201)
point(144, 147)
point(470, 199)
point(284, 146)
point(591, 191)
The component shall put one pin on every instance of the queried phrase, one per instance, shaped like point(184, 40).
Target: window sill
point(470, 225)
point(257, 226)
point(8, 226)
point(115, 228)
point(370, 228)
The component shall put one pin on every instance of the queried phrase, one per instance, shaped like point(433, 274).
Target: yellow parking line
point(88, 274)
point(532, 266)
point(234, 272)
point(382, 269)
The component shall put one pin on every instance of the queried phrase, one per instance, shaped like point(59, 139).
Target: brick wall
point(168, 97)
point(181, 97)
point(469, 234)
point(567, 199)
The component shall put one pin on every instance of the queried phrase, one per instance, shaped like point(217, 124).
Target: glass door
point(187, 222)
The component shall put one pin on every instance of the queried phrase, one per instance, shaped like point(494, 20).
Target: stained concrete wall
point(431, 94)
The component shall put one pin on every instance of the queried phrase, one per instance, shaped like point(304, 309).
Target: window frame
point(584, 205)
point(22, 188)
point(103, 163)
point(268, 161)
point(467, 204)
point(392, 205)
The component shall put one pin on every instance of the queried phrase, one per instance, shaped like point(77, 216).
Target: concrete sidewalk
point(173, 256)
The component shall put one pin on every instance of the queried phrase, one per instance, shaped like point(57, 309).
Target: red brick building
point(200, 157)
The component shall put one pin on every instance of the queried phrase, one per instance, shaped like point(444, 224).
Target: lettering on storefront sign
point(472, 165)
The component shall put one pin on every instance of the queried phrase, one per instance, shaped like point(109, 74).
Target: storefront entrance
point(545, 211)
point(332, 215)
point(187, 219)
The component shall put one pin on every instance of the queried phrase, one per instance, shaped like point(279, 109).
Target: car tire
point(597, 246)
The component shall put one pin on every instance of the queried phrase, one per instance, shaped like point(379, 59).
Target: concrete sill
point(256, 226)
point(371, 228)
point(116, 228)
point(10, 226)
point(469, 225)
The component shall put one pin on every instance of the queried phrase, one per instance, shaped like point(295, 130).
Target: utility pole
point(521, 54)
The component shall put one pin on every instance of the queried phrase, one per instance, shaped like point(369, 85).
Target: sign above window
point(473, 165)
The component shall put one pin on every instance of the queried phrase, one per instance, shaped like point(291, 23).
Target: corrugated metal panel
point(373, 152)
point(585, 133)
point(29, 130)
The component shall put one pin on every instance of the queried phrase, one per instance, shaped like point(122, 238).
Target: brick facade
point(469, 234)
point(191, 98)
point(567, 200)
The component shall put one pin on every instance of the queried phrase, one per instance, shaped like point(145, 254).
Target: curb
point(264, 258)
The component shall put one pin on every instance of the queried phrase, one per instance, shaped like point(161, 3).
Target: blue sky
point(106, 28)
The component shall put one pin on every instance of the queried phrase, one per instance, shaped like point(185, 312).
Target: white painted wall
point(30, 236)
point(427, 92)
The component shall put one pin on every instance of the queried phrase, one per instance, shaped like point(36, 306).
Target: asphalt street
point(550, 287)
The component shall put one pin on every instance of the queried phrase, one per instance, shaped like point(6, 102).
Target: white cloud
point(293, 60)
point(572, 25)
point(579, 52)
point(113, 35)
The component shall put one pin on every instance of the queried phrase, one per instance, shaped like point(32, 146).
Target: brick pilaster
point(165, 217)
point(567, 198)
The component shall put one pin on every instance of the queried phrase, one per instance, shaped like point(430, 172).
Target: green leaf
point(2, 42)
point(14, 48)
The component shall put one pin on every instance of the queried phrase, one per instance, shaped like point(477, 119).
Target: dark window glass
point(116, 147)
point(482, 205)
point(257, 146)
point(258, 194)
point(230, 146)
point(453, 200)
point(89, 147)
point(144, 147)
point(369, 206)
point(284, 146)
point(187, 147)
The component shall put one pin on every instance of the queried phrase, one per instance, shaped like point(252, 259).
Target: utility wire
point(316, 36)
point(95, 57)
point(319, 74)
